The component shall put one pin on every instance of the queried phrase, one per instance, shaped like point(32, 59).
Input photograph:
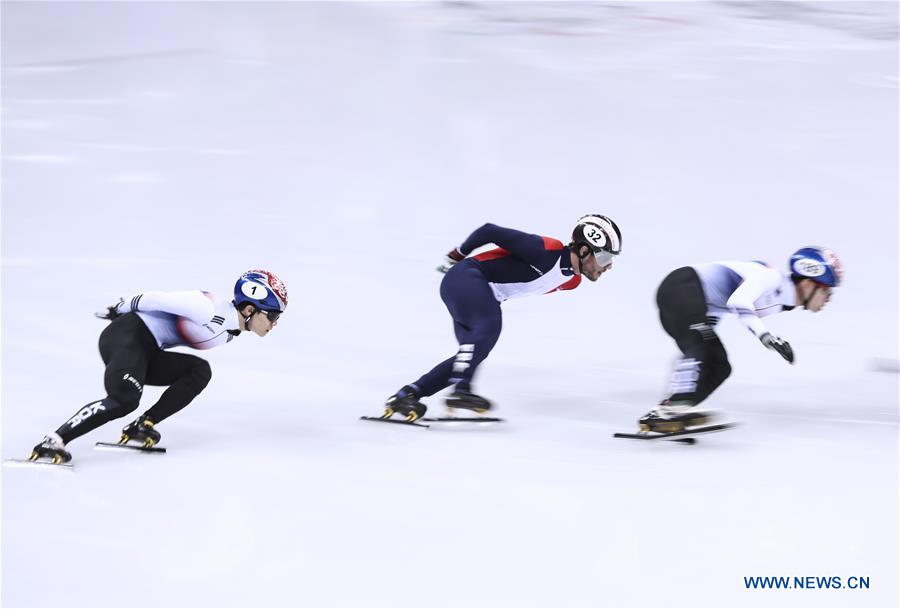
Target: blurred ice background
point(347, 147)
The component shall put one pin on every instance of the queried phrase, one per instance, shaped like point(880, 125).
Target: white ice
point(347, 147)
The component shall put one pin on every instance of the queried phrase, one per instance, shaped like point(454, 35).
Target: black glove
point(112, 311)
point(449, 260)
point(778, 344)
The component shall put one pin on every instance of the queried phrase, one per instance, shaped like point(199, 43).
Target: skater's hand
point(778, 344)
point(449, 260)
point(112, 311)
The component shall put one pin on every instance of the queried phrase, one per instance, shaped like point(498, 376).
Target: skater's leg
point(682, 312)
point(477, 321)
point(186, 375)
point(460, 367)
point(700, 371)
point(435, 379)
point(716, 368)
point(125, 346)
point(703, 365)
point(476, 340)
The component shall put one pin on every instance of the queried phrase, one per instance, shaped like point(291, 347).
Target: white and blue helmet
point(262, 289)
point(820, 264)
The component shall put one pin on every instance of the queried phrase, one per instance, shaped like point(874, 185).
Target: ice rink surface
point(347, 147)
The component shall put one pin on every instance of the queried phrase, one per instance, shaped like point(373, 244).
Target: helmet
point(600, 234)
point(817, 263)
point(262, 289)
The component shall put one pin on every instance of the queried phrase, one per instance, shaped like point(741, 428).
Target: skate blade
point(463, 421)
point(685, 436)
point(134, 447)
point(36, 463)
point(395, 421)
point(452, 412)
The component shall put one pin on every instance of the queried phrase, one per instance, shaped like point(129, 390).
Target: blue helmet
point(817, 263)
point(262, 289)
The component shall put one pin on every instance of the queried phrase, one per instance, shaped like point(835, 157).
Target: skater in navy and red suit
point(474, 287)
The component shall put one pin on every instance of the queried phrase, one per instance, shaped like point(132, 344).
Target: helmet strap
point(811, 294)
point(581, 257)
point(253, 311)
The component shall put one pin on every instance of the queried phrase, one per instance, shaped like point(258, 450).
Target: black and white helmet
point(601, 235)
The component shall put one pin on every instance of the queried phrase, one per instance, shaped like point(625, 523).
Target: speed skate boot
point(462, 397)
point(140, 430)
point(405, 403)
point(51, 448)
point(669, 417)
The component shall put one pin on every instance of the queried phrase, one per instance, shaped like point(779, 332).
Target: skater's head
point(596, 241)
point(260, 298)
point(815, 271)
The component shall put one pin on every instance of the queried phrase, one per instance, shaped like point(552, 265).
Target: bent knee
point(118, 406)
point(202, 373)
point(726, 370)
point(124, 395)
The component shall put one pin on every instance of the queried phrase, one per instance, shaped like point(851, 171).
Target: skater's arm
point(528, 247)
point(742, 301)
point(194, 304)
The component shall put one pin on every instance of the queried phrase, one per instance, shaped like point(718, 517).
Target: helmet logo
point(835, 263)
point(254, 290)
point(809, 267)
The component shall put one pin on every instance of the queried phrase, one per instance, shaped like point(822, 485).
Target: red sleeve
point(551, 244)
point(492, 254)
point(571, 284)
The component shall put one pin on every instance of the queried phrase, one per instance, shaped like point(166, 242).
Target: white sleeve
point(194, 305)
point(742, 301)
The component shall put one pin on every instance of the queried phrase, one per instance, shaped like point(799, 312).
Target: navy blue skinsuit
point(522, 265)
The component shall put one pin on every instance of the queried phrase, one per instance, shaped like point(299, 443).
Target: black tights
point(682, 311)
point(132, 360)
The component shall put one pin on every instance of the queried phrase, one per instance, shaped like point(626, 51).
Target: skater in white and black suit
point(134, 351)
point(691, 301)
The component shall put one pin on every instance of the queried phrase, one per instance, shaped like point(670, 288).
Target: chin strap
point(811, 294)
point(253, 311)
point(578, 247)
